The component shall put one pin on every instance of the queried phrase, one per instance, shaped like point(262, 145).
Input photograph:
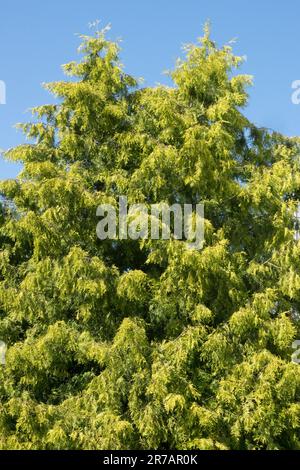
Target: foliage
point(130, 344)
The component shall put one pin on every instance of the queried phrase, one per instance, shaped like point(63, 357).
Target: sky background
point(37, 37)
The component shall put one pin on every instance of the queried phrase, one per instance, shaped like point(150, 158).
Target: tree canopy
point(146, 344)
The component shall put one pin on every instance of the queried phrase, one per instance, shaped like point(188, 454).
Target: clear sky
point(37, 37)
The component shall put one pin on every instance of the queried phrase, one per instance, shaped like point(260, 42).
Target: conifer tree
point(148, 344)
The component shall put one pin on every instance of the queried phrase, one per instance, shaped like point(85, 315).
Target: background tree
point(123, 344)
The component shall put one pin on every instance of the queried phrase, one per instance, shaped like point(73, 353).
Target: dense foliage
point(124, 344)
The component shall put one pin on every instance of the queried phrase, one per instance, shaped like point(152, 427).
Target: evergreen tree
point(148, 344)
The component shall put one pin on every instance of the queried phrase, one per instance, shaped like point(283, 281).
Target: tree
point(130, 344)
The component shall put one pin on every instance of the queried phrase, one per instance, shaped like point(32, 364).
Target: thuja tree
point(140, 344)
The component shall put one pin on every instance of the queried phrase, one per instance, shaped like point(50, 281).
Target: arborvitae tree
point(124, 344)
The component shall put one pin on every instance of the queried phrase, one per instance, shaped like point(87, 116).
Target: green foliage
point(127, 344)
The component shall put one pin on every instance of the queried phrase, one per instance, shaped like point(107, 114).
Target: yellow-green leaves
point(130, 344)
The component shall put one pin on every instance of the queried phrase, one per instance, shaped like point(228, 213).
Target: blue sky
point(37, 37)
